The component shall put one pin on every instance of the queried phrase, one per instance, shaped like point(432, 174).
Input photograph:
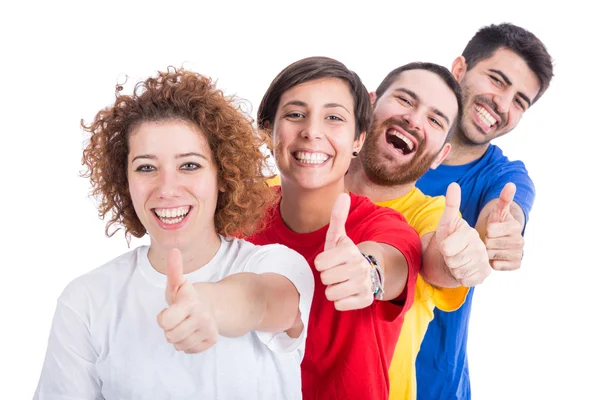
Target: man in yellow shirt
point(416, 109)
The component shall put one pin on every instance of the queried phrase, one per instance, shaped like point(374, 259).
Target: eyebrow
point(303, 104)
point(509, 83)
point(414, 96)
point(182, 155)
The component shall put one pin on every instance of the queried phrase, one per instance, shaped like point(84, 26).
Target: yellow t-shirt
point(423, 213)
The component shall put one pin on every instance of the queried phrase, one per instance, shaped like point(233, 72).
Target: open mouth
point(309, 157)
point(171, 216)
point(485, 117)
point(399, 141)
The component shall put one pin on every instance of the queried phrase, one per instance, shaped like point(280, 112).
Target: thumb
point(502, 209)
point(451, 216)
point(337, 222)
point(175, 278)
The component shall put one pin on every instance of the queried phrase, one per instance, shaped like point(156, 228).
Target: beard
point(380, 168)
point(468, 132)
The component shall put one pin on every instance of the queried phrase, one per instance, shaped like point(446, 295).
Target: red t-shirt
point(348, 353)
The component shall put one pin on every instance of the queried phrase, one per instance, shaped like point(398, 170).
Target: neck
point(305, 211)
point(194, 257)
point(358, 182)
point(463, 152)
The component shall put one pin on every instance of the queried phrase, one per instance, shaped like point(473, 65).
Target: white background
point(532, 331)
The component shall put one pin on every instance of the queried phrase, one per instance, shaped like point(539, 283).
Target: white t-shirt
point(105, 342)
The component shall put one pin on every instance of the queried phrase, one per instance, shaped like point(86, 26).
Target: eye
point(190, 166)
point(404, 100)
point(520, 103)
point(496, 81)
point(294, 115)
point(435, 121)
point(145, 168)
point(334, 118)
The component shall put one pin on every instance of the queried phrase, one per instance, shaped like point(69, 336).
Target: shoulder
point(248, 255)
point(96, 285)
point(363, 209)
point(499, 163)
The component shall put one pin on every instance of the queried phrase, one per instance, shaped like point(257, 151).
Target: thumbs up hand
point(503, 237)
point(463, 251)
point(189, 323)
point(344, 270)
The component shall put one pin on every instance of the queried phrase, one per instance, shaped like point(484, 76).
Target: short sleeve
point(286, 262)
point(69, 370)
point(449, 299)
point(391, 228)
point(516, 173)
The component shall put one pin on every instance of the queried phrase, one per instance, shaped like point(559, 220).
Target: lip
point(171, 227)
point(406, 134)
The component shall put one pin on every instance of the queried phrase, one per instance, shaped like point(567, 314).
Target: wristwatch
point(376, 276)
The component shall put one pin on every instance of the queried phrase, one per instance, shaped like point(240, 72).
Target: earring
point(355, 153)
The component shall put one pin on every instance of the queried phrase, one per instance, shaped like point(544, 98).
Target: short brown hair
point(186, 96)
point(310, 69)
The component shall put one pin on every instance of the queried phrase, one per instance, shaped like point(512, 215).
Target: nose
point(168, 184)
point(313, 129)
point(414, 120)
point(502, 102)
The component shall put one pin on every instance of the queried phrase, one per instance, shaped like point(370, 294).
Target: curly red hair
point(178, 94)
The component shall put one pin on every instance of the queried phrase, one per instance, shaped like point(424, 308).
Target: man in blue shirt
point(503, 71)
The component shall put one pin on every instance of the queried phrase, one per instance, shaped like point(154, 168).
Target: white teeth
point(406, 140)
point(311, 158)
point(486, 116)
point(172, 215)
point(172, 221)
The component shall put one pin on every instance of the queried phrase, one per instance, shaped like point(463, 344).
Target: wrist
point(377, 278)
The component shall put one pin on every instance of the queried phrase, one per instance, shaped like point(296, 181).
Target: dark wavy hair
point(180, 95)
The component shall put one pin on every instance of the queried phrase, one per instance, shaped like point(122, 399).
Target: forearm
point(246, 302)
point(434, 269)
point(393, 265)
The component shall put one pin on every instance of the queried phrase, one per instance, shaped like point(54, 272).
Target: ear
point(441, 156)
point(358, 143)
point(373, 98)
point(459, 68)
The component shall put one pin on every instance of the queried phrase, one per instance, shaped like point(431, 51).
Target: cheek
point(207, 189)
point(513, 119)
point(284, 132)
point(139, 193)
point(386, 110)
point(342, 141)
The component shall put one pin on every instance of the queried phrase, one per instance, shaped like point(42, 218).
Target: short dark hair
point(519, 40)
point(309, 69)
point(442, 72)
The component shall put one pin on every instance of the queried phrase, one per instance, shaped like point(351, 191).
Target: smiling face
point(412, 119)
point(173, 183)
point(496, 92)
point(314, 133)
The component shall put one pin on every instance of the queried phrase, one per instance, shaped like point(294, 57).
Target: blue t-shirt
point(442, 367)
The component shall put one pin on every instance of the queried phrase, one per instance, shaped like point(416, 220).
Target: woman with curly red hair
point(178, 161)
